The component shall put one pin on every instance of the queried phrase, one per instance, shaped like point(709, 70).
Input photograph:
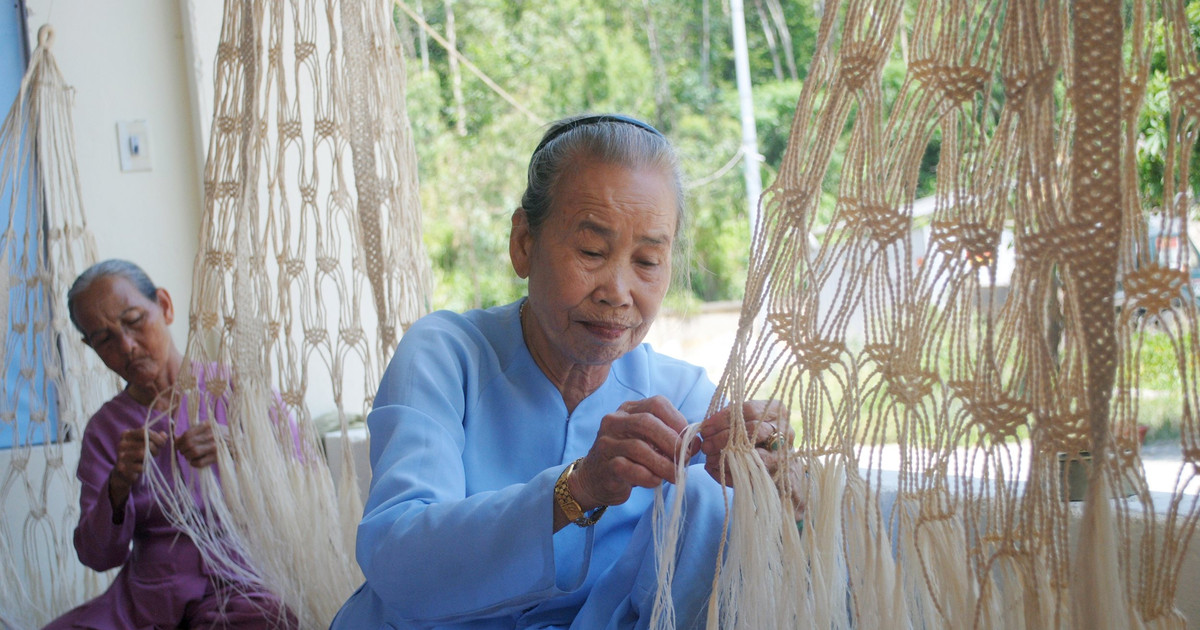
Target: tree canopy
point(669, 63)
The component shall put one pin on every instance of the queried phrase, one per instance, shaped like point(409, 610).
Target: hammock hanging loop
point(45, 36)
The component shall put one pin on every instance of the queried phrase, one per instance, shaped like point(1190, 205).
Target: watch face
point(571, 509)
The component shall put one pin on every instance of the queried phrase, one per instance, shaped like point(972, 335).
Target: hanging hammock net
point(53, 382)
point(940, 420)
point(310, 267)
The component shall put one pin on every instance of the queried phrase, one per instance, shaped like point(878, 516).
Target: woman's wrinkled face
point(126, 329)
point(600, 264)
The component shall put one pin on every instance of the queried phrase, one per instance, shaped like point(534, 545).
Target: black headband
point(592, 120)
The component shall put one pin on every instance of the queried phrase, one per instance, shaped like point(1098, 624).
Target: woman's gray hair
point(609, 138)
point(111, 267)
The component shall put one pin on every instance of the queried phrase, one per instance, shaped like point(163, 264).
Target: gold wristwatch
point(567, 503)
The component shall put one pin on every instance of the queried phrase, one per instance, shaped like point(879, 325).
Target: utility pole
point(750, 156)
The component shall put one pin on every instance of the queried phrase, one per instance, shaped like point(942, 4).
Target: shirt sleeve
point(101, 543)
point(430, 552)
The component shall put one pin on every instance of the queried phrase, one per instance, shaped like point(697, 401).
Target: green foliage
point(558, 58)
point(562, 57)
point(1159, 368)
point(714, 261)
point(1154, 126)
point(1161, 393)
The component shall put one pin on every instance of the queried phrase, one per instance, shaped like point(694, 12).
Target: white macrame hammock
point(1036, 104)
point(44, 245)
point(975, 533)
point(310, 267)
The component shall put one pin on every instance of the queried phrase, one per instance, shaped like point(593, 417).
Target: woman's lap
point(217, 608)
point(244, 611)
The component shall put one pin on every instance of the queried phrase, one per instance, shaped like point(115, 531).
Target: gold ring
point(772, 443)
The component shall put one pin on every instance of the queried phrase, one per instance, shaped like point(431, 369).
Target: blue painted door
point(26, 410)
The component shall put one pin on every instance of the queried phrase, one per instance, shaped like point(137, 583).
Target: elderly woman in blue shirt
point(515, 450)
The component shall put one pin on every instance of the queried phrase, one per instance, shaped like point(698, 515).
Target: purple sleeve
point(101, 543)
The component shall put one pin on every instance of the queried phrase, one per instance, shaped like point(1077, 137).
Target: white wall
point(201, 23)
point(126, 61)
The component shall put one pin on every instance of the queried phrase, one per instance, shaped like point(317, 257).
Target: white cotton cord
point(299, 554)
point(758, 576)
point(891, 331)
point(243, 530)
point(873, 576)
point(796, 579)
point(350, 501)
point(1097, 594)
point(753, 590)
point(917, 594)
point(177, 488)
point(824, 541)
point(940, 548)
point(754, 587)
point(1008, 588)
point(667, 525)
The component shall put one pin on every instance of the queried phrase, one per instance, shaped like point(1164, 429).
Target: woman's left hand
point(199, 444)
point(766, 424)
point(769, 428)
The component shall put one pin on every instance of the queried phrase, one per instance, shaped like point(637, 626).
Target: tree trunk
point(460, 109)
point(770, 35)
point(785, 36)
point(404, 32)
point(423, 38)
point(705, 50)
point(662, 94)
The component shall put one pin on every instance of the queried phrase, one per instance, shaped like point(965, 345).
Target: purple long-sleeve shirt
point(163, 578)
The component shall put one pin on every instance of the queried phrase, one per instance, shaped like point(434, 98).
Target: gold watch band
point(567, 503)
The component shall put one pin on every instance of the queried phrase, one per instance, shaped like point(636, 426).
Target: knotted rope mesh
point(310, 267)
point(58, 382)
point(937, 416)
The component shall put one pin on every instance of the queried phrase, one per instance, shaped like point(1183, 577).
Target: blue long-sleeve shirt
point(468, 437)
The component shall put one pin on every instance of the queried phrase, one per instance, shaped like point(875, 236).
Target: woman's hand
point(636, 446)
point(198, 444)
point(131, 462)
point(769, 428)
point(767, 425)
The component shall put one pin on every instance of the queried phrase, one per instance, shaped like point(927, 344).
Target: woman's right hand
point(636, 446)
point(131, 462)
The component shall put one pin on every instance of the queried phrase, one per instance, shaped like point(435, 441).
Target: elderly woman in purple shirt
point(164, 582)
